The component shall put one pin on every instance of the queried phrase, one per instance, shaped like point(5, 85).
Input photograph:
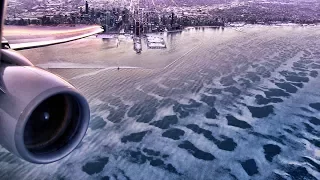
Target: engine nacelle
point(42, 117)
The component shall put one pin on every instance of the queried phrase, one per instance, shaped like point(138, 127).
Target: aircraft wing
point(22, 37)
point(2, 12)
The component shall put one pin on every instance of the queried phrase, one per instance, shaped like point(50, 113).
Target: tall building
point(172, 19)
point(137, 28)
point(87, 7)
point(92, 12)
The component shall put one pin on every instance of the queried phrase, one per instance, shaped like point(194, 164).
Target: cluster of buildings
point(66, 12)
point(137, 17)
point(264, 12)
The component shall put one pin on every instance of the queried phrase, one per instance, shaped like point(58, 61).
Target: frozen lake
point(238, 103)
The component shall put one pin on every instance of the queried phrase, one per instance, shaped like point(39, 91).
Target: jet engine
point(42, 117)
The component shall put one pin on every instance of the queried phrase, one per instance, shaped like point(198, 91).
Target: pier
point(154, 42)
point(137, 44)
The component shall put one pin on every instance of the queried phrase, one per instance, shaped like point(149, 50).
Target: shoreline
point(97, 30)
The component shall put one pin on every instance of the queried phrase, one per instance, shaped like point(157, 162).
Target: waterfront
point(229, 104)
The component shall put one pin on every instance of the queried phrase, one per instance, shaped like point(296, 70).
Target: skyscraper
point(87, 7)
point(172, 19)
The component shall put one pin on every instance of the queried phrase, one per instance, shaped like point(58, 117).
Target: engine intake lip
point(59, 146)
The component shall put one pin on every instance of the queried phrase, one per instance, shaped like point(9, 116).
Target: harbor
point(152, 41)
point(155, 42)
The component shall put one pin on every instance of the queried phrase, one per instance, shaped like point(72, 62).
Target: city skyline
point(156, 15)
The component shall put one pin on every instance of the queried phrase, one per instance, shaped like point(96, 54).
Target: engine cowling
point(42, 117)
